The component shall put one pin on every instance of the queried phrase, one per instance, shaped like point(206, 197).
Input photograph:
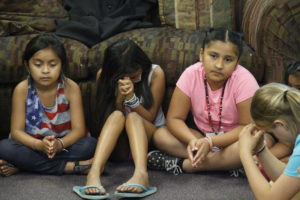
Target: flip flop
point(146, 191)
point(80, 190)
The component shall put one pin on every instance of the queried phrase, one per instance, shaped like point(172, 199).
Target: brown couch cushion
point(196, 14)
point(12, 48)
point(18, 25)
point(34, 8)
point(29, 16)
point(172, 49)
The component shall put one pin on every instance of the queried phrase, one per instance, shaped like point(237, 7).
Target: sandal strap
point(79, 169)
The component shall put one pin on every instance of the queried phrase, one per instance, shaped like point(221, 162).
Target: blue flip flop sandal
point(80, 191)
point(146, 191)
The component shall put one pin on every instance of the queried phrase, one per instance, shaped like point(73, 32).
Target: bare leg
point(226, 159)
point(108, 138)
point(6, 169)
point(139, 131)
point(165, 141)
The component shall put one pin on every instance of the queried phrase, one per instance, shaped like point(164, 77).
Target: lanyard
point(208, 108)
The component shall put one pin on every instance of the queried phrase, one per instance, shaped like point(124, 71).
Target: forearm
point(258, 183)
point(228, 138)
point(144, 113)
point(280, 150)
point(273, 167)
point(25, 139)
point(180, 130)
point(72, 138)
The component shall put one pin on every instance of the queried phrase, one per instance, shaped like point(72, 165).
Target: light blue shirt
point(294, 161)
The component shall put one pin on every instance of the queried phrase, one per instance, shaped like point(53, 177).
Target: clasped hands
point(197, 150)
point(251, 139)
point(50, 146)
point(125, 89)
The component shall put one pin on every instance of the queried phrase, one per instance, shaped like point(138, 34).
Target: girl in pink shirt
point(218, 92)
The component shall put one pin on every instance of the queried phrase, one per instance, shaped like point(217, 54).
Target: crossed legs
point(226, 159)
point(12, 154)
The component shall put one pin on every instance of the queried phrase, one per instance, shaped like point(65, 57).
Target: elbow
point(13, 134)
point(80, 132)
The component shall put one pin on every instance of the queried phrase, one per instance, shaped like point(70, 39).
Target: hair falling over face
point(122, 58)
point(276, 101)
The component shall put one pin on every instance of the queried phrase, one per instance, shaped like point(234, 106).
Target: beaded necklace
point(208, 108)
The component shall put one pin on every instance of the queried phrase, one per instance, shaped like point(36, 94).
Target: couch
point(173, 41)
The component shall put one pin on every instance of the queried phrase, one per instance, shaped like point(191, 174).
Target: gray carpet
point(207, 185)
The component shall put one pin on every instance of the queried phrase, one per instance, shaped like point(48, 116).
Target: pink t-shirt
point(240, 86)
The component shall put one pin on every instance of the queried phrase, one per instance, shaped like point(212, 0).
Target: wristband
point(133, 102)
point(260, 150)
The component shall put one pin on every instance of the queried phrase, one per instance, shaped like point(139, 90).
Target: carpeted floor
point(206, 186)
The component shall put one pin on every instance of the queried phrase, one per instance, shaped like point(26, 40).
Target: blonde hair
point(276, 101)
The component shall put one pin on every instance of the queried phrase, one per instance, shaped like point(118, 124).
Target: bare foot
point(137, 178)
point(84, 165)
point(6, 169)
point(93, 179)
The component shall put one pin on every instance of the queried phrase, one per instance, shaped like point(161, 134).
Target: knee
point(133, 117)
point(88, 146)
point(159, 137)
point(6, 148)
point(117, 115)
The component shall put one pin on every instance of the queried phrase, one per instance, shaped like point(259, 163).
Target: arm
point(158, 83)
point(177, 115)
point(273, 167)
point(283, 188)
point(73, 94)
point(18, 117)
point(281, 149)
point(230, 137)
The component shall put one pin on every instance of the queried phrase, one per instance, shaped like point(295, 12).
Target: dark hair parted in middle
point(224, 35)
point(121, 58)
point(45, 41)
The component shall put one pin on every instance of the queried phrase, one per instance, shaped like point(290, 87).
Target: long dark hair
point(120, 58)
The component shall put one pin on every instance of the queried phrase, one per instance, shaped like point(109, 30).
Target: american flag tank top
point(43, 121)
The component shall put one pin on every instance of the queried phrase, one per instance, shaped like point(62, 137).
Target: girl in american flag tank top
point(48, 133)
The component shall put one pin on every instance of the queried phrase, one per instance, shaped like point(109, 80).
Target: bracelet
point(209, 140)
point(260, 150)
point(133, 102)
point(62, 145)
